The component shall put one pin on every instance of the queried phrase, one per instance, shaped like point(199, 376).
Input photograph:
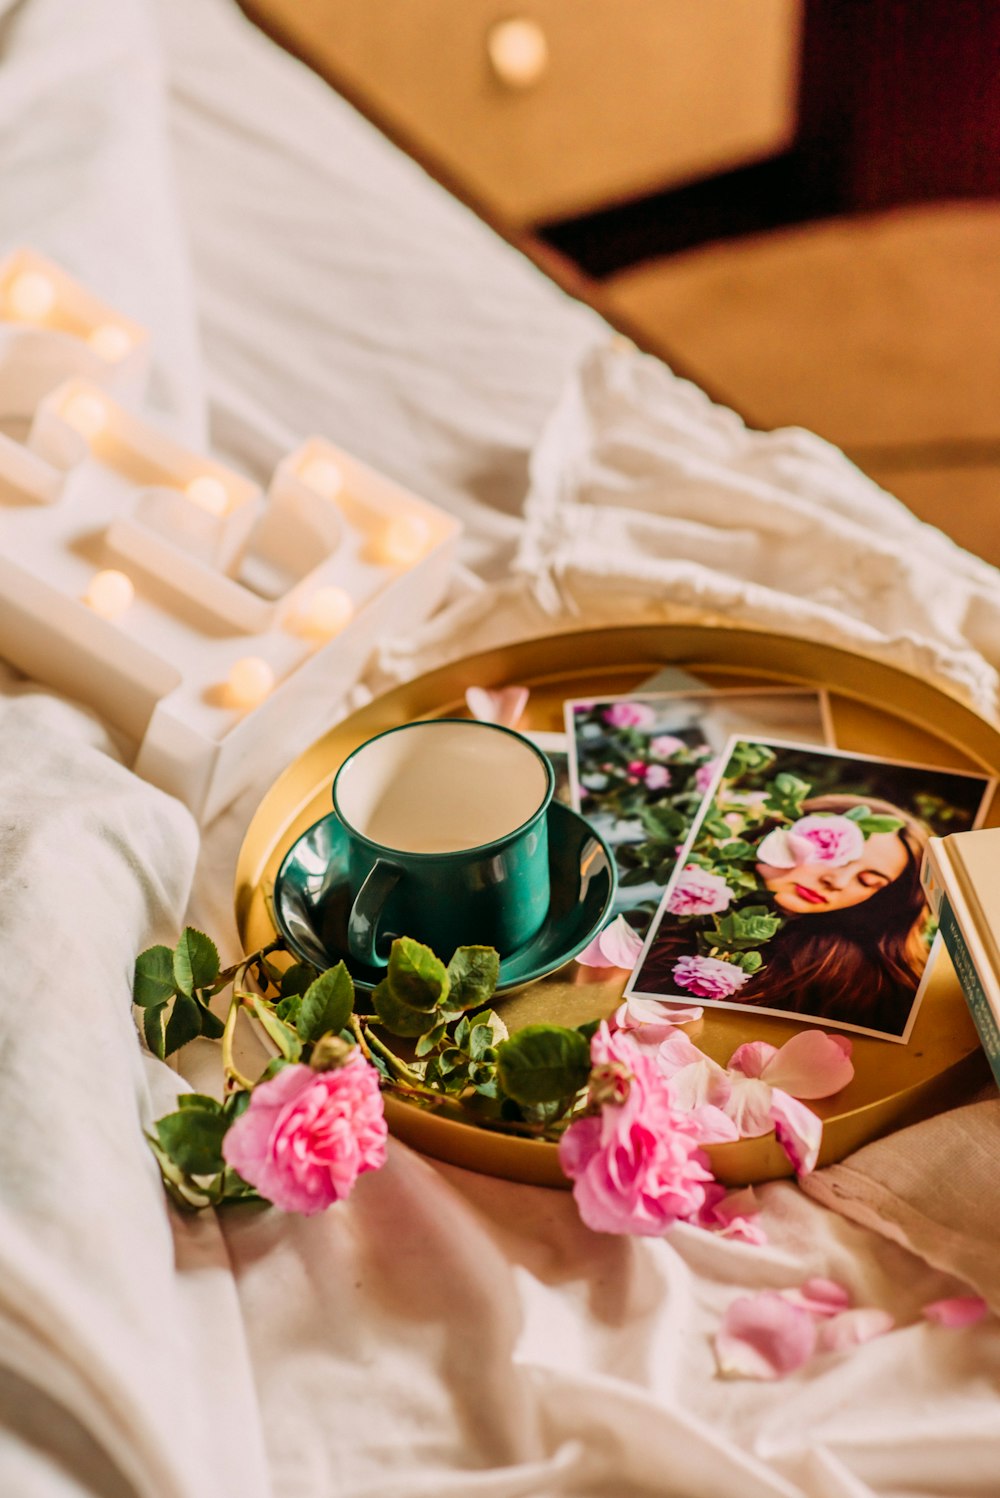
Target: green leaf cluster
point(187, 1145)
point(174, 990)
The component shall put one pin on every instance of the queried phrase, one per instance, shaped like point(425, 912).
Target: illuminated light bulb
point(250, 681)
point(110, 593)
point(86, 414)
point(327, 611)
point(31, 295)
point(323, 476)
point(110, 342)
point(404, 539)
point(209, 494)
point(519, 52)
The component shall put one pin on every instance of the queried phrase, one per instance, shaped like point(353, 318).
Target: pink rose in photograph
point(629, 715)
point(666, 745)
point(635, 1166)
point(657, 777)
point(698, 892)
point(306, 1136)
point(637, 767)
point(819, 838)
point(709, 977)
point(705, 774)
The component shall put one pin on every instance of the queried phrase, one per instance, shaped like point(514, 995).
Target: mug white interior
point(441, 787)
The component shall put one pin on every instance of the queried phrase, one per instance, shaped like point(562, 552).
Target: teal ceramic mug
point(447, 834)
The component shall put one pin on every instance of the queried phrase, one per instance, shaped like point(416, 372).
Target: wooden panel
point(636, 95)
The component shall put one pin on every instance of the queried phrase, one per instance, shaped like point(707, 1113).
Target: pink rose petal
point(750, 1105)
point(679, 1050)
point(620, 944)
point(820, 1297)
point(810, 1065)
point(648, 1022)
point(774, 850)
point(752, 1057)
point(958, 1311)
point(714, 1126)
point(851, 1328)
point(763, 1336)
point(798, 1130)
point(703, 1082)
point(504, 706)
point(729, 1214)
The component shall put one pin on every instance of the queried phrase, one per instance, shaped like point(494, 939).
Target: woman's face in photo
point(812, 888)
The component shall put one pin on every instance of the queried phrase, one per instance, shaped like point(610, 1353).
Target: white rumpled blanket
point(442, 1332)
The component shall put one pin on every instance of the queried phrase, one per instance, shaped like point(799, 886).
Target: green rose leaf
point(211, 1025)
point(858, 813)
point(326, 1004)
point(196, 961)
point(418, 979)
point(543, 1064)
point(297, 978)
point(473, 974)
point(192, 1137)
point(154, 977)
point(399, 1018)
point(199, 1100)
point(183, 1025)
point(871, 825)
point(285, 1039)
point(152, 1028)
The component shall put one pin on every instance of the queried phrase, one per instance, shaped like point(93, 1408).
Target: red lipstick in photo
point(811, 896)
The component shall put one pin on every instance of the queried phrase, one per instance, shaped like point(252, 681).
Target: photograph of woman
point(799, 891)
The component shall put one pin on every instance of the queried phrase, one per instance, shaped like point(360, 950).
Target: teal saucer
point(311, 900)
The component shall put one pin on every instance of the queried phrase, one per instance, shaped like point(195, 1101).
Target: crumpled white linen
point(441, 1332)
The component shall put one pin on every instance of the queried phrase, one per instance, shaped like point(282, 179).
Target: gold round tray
point(875, 708)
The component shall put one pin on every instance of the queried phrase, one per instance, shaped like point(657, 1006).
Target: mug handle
point(362, 924)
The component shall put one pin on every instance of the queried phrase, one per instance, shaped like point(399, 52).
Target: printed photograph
point(799, 891)
point(640, 766)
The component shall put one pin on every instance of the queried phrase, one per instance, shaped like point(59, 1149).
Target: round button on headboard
point(518, 51)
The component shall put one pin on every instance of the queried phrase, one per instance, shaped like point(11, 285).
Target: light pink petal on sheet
point(810, 1065)
point(730, 1214)
point(751, 1058)
point(503, 706)
point(820, 1297)
point(851, 1328)
point(763, 1336)
point(798, 1130)
point(958, 1311)
point(750, 1105)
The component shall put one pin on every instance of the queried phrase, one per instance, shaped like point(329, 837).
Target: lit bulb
point(110, 342)
point(250, 681)
point(31, 295)
point(209, 493)
point(110, 593)
point(327, 611)
point(86, 414)
point(404, 540)
point(322, 475)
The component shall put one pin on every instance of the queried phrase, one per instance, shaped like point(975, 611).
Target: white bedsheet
point(442, 1332)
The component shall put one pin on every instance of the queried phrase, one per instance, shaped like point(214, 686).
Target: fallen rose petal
point(648, 1022)
point(729, 1214)
point(810, 1065)
point(820, 1297)
point(503, 706)
point(679, 1050)
point(798, 1130)
point(714, 1126)
point(851, 1328)
point(764, 1336)
point(752, 1057)
point(616, 946)
point(750, 1105)
point(958, 1311)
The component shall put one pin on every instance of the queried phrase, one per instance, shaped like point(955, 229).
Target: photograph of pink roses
point(800, 894)
point(641, 766)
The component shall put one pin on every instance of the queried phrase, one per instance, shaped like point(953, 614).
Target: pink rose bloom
point(629, 715)
point(306, 1136)
point(657, 777)
point(820, 838)
point(666, 745)
point(636, 767)
point(636, 1166)
point(699, 893)
point(705, 774)
point(709, 977)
